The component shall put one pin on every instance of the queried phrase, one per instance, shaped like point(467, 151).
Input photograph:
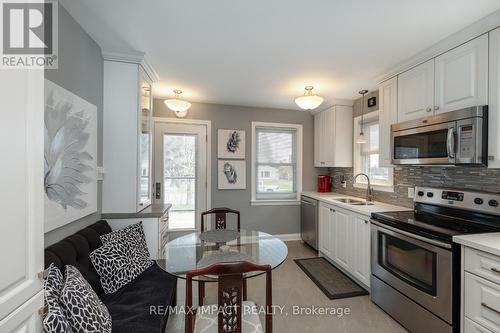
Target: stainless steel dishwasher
point(309, 221)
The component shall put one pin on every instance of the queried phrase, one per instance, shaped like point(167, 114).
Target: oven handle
point(450, 142)
point(410, 235)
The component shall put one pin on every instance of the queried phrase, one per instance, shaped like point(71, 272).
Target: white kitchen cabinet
point(127, 138)
point(360, 226)
point(388, 115)
point(332, 137)
point(461, 76)
point(325, 229)
point(494, 100)
point(416, 92)
point(21, 198)
point(342, 238)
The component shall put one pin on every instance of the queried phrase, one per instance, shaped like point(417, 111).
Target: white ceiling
point(263, 52)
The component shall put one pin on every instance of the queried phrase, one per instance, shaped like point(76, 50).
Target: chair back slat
point(230, 294)
point(221, 215)
point(230, 300)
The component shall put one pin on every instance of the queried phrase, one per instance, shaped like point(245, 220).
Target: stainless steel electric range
point(415, 264)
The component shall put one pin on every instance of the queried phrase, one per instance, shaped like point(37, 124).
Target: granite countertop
point(366, 210)
point(154, 210)
point(489, 242)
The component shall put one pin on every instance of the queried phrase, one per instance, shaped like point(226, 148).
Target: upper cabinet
point(331, 128)
point(416, 92)
point(127, 138)
point(494, 101)
point(388, 115)
point(454, 80)
point(461, 76)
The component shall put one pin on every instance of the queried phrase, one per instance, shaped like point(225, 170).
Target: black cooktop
point(439, 223)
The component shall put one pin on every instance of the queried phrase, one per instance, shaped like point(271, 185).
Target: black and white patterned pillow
point(115, 264)
point(54, 321)
point(134, 235)
point(82, 307)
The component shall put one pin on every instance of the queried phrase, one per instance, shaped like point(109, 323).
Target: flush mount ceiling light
point(309, 101)
point(361, 137)
point(178, 104)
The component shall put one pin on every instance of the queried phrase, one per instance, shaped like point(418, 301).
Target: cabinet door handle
point(436, 107)
point(484, 305)
point(495, 270)
point(429, 109)
point(366, 222)
point(332, 210)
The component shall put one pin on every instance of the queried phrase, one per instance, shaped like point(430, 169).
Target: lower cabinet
point(325, 228)
point(344, 238)
point(360, 226)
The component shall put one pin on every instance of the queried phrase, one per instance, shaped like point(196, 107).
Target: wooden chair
point(220, 223)
point(220, 217)
point(230, 298)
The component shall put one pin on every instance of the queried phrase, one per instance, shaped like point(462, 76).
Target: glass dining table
point(198, 250)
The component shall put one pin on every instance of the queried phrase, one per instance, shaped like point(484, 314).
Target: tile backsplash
point(464, 178)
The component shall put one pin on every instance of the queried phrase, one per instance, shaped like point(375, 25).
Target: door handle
point(158, 190)
point(484, 305)
point(450, 142)
point(495, 270)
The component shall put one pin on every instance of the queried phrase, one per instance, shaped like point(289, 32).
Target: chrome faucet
point(369, 190)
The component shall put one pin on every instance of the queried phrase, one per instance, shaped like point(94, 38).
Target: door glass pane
point(421, 145)
point(275, 178)
point(180, 179)
point(408, 261)
point(145, 143)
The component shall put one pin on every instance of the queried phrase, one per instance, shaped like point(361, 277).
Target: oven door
point(419, 268)
point(433, 144)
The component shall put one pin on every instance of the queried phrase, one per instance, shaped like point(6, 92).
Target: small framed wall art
point(230, 144)
point(232, 174)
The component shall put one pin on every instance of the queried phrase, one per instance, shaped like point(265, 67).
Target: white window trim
point(361, 182)
point(273, 202)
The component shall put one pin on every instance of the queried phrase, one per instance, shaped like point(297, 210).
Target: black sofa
point(140, 306)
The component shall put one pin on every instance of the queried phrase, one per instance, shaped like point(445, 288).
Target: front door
point(181, 172)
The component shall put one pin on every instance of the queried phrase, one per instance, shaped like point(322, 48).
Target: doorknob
point(158, 190)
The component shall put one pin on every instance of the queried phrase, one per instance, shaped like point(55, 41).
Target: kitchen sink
point(355, 202)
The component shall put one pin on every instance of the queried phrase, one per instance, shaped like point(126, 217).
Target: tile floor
point(291, 287)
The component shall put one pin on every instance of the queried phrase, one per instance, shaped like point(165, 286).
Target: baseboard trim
point(289, 237)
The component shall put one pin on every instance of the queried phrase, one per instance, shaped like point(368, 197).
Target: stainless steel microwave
point(453, 138)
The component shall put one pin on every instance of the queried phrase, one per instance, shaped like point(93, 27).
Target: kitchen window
point(366, 155)
point(276, 163)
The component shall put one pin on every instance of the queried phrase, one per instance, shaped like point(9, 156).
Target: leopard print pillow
point(134, 235)
point(54, 321)
point(81, 306)
point(115, 264)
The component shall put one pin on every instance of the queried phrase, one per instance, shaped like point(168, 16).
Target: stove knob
point(493, 203)
point(420, 193)
point(430, 194)
point(478, 201)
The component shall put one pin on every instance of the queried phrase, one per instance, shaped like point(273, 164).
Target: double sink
point(354, 202)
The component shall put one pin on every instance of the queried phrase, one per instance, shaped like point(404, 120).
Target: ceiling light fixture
point(361, 138)
point(178, 104)
point(309, 101)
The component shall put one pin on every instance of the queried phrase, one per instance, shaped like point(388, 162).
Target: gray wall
point(81, 72)
point(271, 219)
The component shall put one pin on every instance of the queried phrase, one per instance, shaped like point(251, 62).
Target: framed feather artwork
point(232, 175)
point(70, 169)
point(230, 144)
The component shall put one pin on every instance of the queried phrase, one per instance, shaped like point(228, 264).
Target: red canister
point(324, 183)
